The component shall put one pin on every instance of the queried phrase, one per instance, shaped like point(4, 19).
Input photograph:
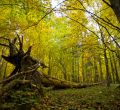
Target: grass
point(92, 98)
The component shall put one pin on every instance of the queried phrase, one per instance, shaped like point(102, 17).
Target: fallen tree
point(26, 75)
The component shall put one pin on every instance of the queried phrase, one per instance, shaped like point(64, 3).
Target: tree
point(115, 5)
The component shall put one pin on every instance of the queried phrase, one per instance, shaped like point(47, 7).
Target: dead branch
point(19, 74)
point(4, 45)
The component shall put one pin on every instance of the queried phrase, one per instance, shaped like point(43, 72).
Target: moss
point(22, 98)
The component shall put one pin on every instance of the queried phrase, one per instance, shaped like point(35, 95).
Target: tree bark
point(115, 4)
point(112, 67)
point(115, 67)
point(95, 71)
point(100, 67)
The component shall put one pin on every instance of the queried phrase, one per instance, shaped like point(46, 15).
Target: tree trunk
point(112, 67)
point(95, 71)
point(115, 66)
point(115, 4)
point(83, 71)
point(100, 67)
point(107, 68)
point(50, 60)
point(73, 65)
point(4, 76)
point(108, 78)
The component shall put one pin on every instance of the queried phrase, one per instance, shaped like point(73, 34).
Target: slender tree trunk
point(78, 66)
point(49, 65)
point(1, 63)
point(73, 69)
point(107, 68)
point(100, 67)
point(118, 55)
point(63, 70)
point(95, 71)
point(73, 65)
point(108, 79)
point(115, 66)
point(65, 73)
point(1, 66)
point(112, 68)
point(83, 71)
point(76, 60)
point(4, 76)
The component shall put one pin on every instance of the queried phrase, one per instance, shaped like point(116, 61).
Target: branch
point(83, 26)
point(93, 16)
point(4, 45)
point(11, 44)
point(5, 38)
point(95, 33)
point(45, 15)
point(107, 3)
point(28, 52)
point(96, 16)
point(5, 4)
point(19, 74)
point(109, 33)
point(20, 44)
point(109, 36)
point(102, 0)
point(115, 41)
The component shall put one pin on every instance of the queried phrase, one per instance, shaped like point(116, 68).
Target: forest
point(59, 54)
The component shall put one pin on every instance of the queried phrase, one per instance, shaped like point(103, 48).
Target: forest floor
point(91, 98)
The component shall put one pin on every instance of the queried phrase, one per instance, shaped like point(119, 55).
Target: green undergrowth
point(23, 98)
point(92, 98)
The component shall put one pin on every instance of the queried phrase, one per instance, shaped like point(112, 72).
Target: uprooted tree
point(25, 74)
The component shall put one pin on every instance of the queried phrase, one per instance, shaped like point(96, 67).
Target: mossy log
point(49, 81)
